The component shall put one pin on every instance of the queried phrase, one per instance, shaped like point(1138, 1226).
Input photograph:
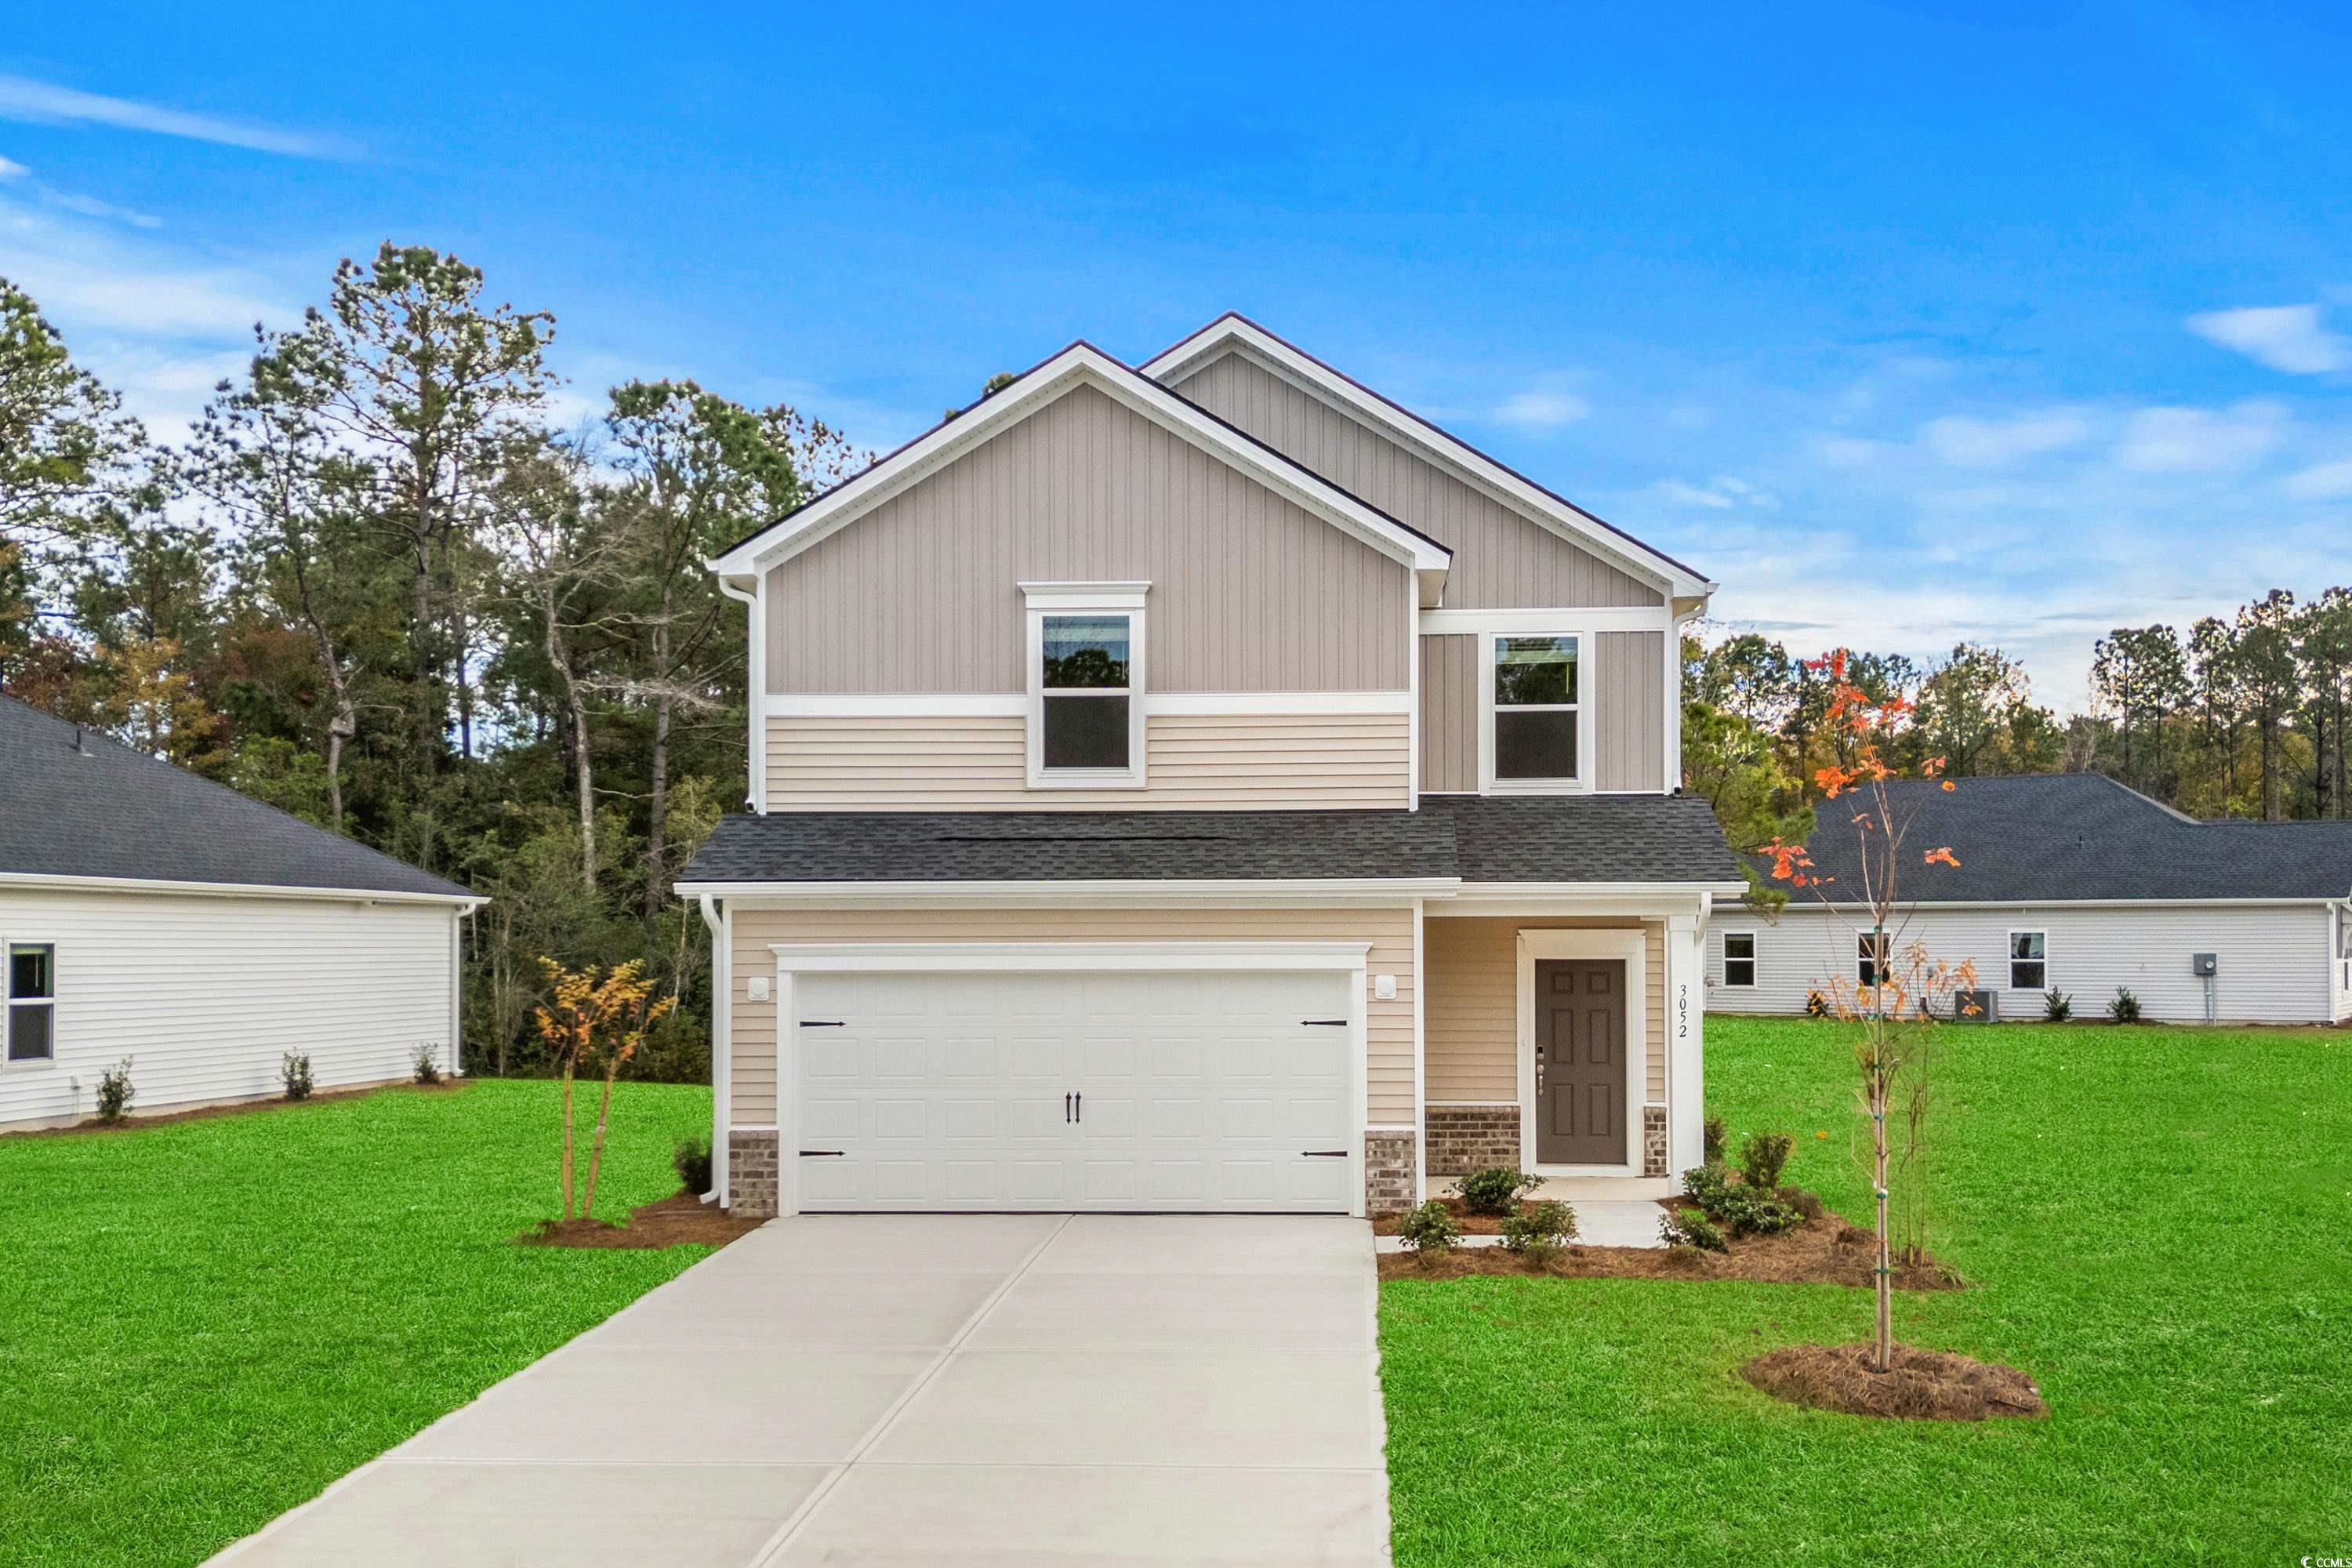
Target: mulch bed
point(682, 1219)
point(1922, 1385)
point(135, 1119)
point(1823, 1251)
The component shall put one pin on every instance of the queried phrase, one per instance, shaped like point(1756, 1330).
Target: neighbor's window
point(1871, 950)
point(2028, 969)
point(1535, 708)
point(1086, 691)
point(32, 1002)
point(1739, 958)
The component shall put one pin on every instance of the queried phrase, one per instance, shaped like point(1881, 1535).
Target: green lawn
point(204, 1323)
point(2159, 1224)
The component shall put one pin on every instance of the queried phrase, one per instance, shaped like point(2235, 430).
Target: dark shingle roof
point(1581, 838)
point(104, 810)
point(2070, 836)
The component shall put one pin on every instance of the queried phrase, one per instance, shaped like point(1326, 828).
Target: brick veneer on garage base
point(751, 1174)
point(1466, 1138)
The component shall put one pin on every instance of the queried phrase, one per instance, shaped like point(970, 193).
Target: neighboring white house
point(2071, 882)
point(149, 913)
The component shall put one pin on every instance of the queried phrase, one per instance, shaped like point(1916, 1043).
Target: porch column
point(1685, 1046)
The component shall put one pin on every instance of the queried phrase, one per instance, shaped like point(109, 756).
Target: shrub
point(1763, 1157)
point(1495, 1189)
point(1692, 1229)
point(691, 1160)
point(1704, 1184)
point(1742, 1210)
point(1542, 1230)
point(1807, 1205)
point(2124, 1008)
point(426, 1065)
point(1816, 1004)
point(1429, 1230)
point(294, 1071)
point(2056, 1007)
point(1715, 1137)
point(114, 1091)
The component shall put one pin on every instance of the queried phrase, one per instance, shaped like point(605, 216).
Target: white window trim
point(1753, 960)
point(1045, 599)
point(1883, 960)
point(8, 1003)
point(1586, 772)
point(2009, 956)
point(1632, 946)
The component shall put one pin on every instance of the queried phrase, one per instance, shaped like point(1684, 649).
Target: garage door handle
point(1324, 1154)
point(827, 1154)
point(1325, 1022)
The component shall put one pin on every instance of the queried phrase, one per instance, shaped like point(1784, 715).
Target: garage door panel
point(955, 1089)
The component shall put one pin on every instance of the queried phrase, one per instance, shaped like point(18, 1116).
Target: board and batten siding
point(1624, 680)
point(1503, 559)
point(1471, 1005)
point(2274, 961)
point(206, 995)
point(1389, 1023)
point(1193, 763)
point(1249, 591)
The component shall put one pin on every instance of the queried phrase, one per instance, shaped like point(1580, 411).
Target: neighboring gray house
point(2074, 882)
point(150, 913)
point(1205, 785)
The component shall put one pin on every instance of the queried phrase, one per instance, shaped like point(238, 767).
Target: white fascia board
point(1535, 900)
point(39, 881)
point(1447, 450)
point(1079, 365)
point(1926, 906)
point(803, 957)
point(1562, 617)
point(1239, 892)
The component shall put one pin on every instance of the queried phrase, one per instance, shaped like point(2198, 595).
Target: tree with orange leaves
point(1892, 1000)
point(595, 1016)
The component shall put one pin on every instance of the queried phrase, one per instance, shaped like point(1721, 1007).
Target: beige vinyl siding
point(1449, 714)
point(1503, 559)
point(1471, 1014)
point(1193, 763)
point(1389, 1025)
point(1249, 592)
point(1625, 683)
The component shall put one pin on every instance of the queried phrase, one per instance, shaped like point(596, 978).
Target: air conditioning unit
point(1976, 1006)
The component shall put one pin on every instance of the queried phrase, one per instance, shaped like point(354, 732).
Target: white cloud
point(1542, 409)
point(2284, 337)
point(46, 103)
point(2322, 482)
point(11, 170)
point(1721, 493)
point(2200, 440)
point(1848, 451)
point(1992, 443)
point(91, 206)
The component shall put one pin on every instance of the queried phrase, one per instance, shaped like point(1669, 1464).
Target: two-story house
point(1205, 785)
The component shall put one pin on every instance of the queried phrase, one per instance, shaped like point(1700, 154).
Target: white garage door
point(1141, 1091)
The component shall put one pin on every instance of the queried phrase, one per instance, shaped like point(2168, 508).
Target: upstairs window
point(1534, 718)
point(2029, 968)
point(1086, 685)
point(32, 1002)
point(1739, 958)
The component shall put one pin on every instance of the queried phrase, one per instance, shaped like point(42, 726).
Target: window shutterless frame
point(28, 1020)
point(2028, 961)
point(1542, 724)
point(1062, 616)
point(1870, 961)
point(1739, 958)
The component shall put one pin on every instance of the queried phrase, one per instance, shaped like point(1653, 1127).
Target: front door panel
point(1581, 1065)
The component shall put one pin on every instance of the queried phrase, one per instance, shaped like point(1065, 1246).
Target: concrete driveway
point(919, 1389)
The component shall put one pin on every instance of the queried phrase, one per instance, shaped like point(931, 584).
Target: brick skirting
point(1466, 1138)
point(1654, 1140)
point(751, 1174)
point(1388, 1172)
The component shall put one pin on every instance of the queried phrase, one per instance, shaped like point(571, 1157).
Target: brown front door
point(1581, 1061)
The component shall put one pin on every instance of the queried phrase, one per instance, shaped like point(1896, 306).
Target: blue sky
point(1904, 324)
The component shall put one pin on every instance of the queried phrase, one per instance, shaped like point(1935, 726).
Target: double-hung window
point(1534, 737)
point(1085, 684)
point(1872, 950)
point(1739, 958)
point(2029, 967)
point(32, 1003)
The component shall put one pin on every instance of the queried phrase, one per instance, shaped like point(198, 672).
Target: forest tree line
point(376, 586)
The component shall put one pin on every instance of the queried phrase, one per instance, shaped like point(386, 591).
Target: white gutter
point(38, 880)
point(1298, 890)
point(722, 1067)
point(755, 687)
point(1799, 904)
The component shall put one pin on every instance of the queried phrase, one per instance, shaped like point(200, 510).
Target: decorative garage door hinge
point(1324, 1154)
point(823, 1024)
point(1325, 1022)
point(826, 1153)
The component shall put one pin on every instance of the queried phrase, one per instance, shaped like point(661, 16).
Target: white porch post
point(1686, 1045)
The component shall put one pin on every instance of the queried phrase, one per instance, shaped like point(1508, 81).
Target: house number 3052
point(1682, 1011)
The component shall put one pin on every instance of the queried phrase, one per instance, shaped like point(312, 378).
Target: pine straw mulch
point(682, 1219)
point(1923, 1385)
point(1822, 1251)
point(134, 1119)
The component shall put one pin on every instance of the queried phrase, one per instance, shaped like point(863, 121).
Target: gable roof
point(1082, 363)
point(2083, 837)
point(76, 806)
point(1437, 444)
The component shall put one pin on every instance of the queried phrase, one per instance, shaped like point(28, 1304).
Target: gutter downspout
point(722, 1074)
point(755, 694)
